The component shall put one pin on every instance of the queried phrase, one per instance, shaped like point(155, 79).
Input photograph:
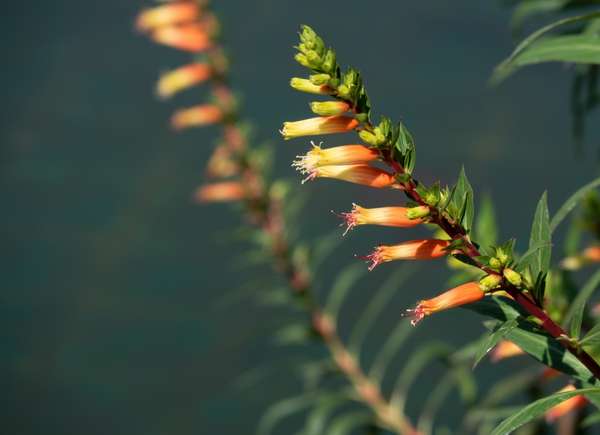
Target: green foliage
point(575, 48)
point(572, 202)
point(538, 408)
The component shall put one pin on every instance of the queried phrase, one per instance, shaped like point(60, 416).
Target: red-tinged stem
point(456, 232)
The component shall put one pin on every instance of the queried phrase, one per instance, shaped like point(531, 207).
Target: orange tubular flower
point(412, 250)
point(221, 164)
point(358, 174)
point(220, 192)
point(567, 406)
point(167, 15)
point(461, 295)
point(342, 155)
point(188, 37)
point(505, 349)
point(386, 216)
point(319, 125)
point(196, 116)
point(182, 78)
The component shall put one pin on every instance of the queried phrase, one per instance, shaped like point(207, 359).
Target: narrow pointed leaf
point(498, 333)
point(570, 203)
point(343, 284)
point(537, 409)
point(575, 313)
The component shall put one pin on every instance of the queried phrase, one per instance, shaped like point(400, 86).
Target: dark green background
point(113, 317)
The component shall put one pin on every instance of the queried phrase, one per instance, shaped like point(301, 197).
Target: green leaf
point(462, 201)
point(507, 387)
point(508, 66)
point(345, 424)
point(415, 364)
point(535, 342)
point(282, 409)
point(590, 420)
point(343, 284)
point(325, 406)
point(570, 203)
point(525, 9)
point(592, 338)
point(576, 310)
point(295, 333)
point(537, 409)
point(486, 229)
point(498, 333)
point(540, 240)
point(376, 305)
point(391, 346)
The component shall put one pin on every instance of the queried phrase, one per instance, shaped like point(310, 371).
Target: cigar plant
point(531, 302)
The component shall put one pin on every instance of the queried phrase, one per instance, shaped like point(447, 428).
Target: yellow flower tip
point(190, 37)
point(167, 15)
point(341, 155)
point(572, 263)
point(567, 406)
point(461, 295)
point(220, 192)
point(329, 108)
point(182, 78)
point(505, 349)
point(196, 116)
point(384, 216)
point(318, 126)
point(427, 249)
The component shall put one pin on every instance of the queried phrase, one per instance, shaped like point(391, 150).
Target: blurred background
point(126, 307)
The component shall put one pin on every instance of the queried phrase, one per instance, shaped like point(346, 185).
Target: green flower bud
point(329, 108)
point(495, 263)
point(380, 136)
point(417, 212)
point(329, 63)
point(490, 282)
point(431, 199)
point(513, 277)
point(343, 91)
point(302, 60)
point(313, 58)
point(502, 256)
point(368, 137)
point(320, 79)
point(304, 85)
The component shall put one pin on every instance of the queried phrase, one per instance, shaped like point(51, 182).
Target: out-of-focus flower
point(182, 78)
point(505, 349)
point(567, 406)
point(187, 37)
point(591, 254)
point(427, 249)
point(341, 155)
point(358, 174)
point(220, 192)
point(319, 125)
point(171, 14)
point(220, 164)
point(386, 216)
point(196, 116)
point(461, 295)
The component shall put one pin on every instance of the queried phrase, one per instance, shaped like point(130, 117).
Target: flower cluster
point(348, 109)
point(189, 26)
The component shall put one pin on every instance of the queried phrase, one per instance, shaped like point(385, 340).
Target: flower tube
point(461, 295)
point(385, 216)
point(318, 125)
point(427, 249)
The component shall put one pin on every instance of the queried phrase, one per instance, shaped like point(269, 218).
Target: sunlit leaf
point(498, 333)
point(531, 50)
point(537, 409)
